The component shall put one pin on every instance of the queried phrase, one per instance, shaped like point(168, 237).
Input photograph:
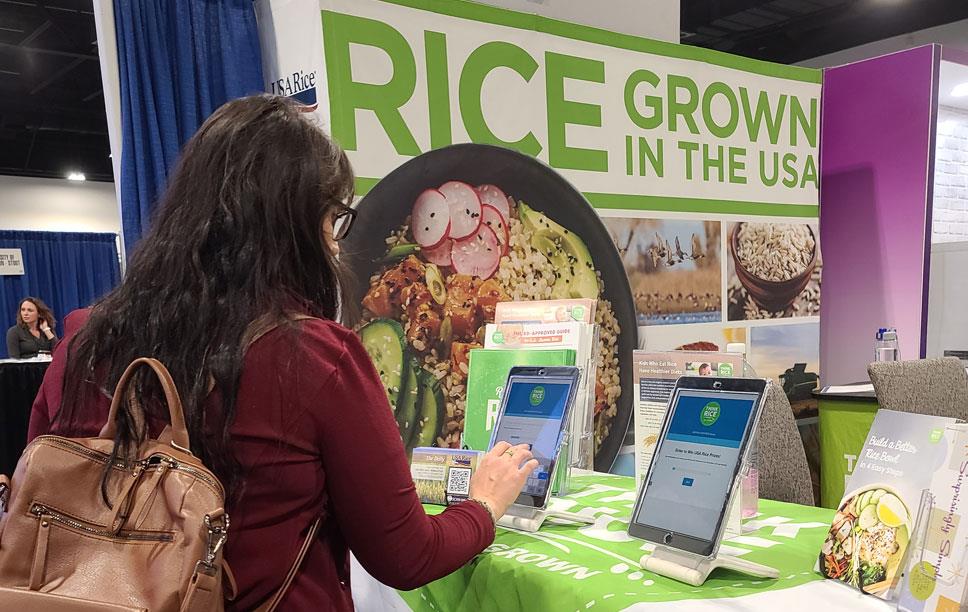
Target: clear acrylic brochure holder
point(920, 562)
point(694, 569)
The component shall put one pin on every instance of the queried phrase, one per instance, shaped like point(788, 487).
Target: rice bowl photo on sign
point(443, 238)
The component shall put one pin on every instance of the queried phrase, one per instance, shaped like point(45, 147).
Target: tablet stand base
point(694, 570)
point(532, 521)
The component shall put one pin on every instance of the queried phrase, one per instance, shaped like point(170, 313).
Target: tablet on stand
point(536, 409)
point(694, 480)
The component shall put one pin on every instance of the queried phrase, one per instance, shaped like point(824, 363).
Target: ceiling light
point(960, 91)
point(76, 176)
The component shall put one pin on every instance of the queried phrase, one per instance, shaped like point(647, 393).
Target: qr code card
point(443, 475)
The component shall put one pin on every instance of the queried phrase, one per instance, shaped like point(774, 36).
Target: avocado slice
point(431, 411)
point(385, 343)
point(574, 267)
point(407, 410)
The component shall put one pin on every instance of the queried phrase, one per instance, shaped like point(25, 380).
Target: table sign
point(11, 262)
point(867, 541)
point(936, 566)
point(655, 376)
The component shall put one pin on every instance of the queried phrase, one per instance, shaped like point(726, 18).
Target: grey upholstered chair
point(937, 387)
point(782, 462)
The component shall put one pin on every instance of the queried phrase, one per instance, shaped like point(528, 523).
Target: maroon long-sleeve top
point(314, 434)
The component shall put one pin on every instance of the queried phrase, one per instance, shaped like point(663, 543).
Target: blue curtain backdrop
point(67, 270)
point(179, 60)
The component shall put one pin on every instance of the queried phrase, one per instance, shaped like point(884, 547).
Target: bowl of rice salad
point(443, 238)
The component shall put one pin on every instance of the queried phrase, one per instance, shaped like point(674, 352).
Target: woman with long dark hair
point(286, 409)
point(34, 331)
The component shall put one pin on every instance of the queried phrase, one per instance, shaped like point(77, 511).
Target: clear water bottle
point(885, 345)
point(750, 480)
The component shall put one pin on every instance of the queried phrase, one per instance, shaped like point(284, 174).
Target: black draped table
point(19, 383)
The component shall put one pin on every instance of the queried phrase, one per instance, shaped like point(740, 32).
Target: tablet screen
point(695, 465)
point(534, 414)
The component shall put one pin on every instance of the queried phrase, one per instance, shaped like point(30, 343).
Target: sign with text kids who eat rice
point(633, 123)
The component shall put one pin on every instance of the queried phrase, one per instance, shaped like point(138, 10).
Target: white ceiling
point(952, 75)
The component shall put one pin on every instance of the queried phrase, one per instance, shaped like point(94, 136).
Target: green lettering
point(562, 112)
point(689, 148)
point(347, 96)
point(800, 123)
point(737, 165)
point(762, 113)
point(655, 157)
point(438, 95)
point(727, 129)
point(685, 109)
point(809, 173)
point(769, 179)
point(654, 103)
point(789, 160)
point(479, 64)
point(628, 155)
point(711, 161)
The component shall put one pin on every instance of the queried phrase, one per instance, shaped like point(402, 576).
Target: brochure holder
point(919, 558)
point(695, 569)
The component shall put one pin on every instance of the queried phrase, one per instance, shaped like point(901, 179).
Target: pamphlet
point(546, 311)
point(443, 475)
point(875, 519)
point(655, 377)
point(935, 568)
point(583, 339)
point(487, 374)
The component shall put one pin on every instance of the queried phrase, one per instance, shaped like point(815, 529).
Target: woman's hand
point(501, 476)
point(44, 327)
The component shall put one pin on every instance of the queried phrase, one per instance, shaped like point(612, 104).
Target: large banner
point(702, 165)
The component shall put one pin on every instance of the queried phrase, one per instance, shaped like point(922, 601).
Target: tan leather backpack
point(157, 548)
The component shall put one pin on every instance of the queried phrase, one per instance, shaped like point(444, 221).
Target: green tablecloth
point(570, 567)
point(843, 425)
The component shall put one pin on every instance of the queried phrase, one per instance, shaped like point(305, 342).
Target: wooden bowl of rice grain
point(773, 261)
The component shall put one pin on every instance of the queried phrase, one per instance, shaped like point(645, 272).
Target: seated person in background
point(34, 331)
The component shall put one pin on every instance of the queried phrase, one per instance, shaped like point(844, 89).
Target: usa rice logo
point(300, 86)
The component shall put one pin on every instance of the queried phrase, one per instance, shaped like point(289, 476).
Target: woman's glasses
point(342, 221)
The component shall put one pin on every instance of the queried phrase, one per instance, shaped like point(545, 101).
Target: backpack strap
point(270, 605)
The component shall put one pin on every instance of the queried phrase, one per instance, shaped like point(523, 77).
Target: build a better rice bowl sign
point(634, 124)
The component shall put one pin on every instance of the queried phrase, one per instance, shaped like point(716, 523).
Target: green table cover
point(843, 427)
point(572, 567)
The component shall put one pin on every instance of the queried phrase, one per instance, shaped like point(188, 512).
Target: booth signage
point(11, 262)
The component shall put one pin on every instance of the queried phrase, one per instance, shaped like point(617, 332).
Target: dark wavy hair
point(237, 240)
point(43, 312)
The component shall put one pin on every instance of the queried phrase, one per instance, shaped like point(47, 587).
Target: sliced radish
point(493, 196)
point(493, 219)
point(440, 254)
point(465, 208)
point(478, 255)
point(430, 218)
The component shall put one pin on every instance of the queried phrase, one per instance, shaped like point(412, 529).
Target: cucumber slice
point(431, 411)
point(868, 517)
point(877, 495)
point(384, 341)
point(400, 251)
point(863, 501)
point(407, 408)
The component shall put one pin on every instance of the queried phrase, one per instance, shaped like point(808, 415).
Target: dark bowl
point(387, 205)
point(771, 295)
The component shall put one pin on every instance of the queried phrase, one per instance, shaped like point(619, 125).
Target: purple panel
point(876, 165)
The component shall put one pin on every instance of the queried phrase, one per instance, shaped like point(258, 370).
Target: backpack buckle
point(218, 533)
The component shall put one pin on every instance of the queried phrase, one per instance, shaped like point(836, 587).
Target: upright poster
point(702, 166)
